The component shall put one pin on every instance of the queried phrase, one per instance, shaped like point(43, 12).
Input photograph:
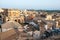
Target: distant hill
point(50, 11)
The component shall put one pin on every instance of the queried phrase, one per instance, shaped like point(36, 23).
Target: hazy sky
point(30, 4)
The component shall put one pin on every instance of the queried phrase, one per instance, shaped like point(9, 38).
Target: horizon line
point(29, 9)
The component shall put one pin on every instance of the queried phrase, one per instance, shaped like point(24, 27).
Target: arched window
point(58, 22)
point(16, 20)
point(8, 20)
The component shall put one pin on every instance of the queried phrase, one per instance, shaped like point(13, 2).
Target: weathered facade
point(14, 15)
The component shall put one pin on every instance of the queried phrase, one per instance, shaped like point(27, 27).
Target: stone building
point(19, 15)
point(14, 15)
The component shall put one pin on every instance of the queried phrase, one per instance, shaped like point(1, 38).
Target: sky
point(31, 4)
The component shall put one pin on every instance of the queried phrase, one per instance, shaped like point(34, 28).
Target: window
point(0, 16)
point(0, 26)
point(8, 20)
point(16, 20)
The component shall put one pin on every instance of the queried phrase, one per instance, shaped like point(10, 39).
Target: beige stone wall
point(22, 19)
point(57, 24)
point(49, 25)
point(48, 17)
point(14, 13)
